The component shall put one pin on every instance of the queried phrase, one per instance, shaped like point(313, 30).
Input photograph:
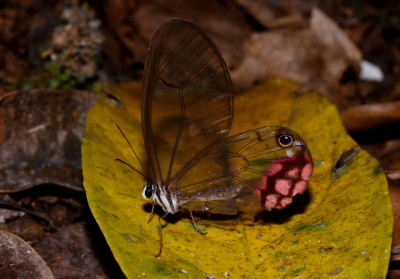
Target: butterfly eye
point(147, 191)
point(285, 140)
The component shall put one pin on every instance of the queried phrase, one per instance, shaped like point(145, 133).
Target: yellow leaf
point(341, 226)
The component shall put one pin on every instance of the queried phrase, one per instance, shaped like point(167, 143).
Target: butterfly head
point(148, 191)
point(161, 196)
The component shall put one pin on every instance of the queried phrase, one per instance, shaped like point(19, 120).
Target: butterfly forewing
point(187, 101)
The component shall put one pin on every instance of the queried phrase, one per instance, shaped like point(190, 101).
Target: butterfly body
point(187, 113)
point(171, 203)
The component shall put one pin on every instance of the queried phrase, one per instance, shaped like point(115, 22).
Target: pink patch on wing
point(271, 201)
point(307, 171)
point(274, 168)
point(294, 173)
point(282, 186)
point(284, 202)
point(263, 186)
point(285, 178)
point(300, 187)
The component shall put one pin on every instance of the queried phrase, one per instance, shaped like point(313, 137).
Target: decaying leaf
point(317, 57)
point(366, 117)
point(19, 260)
point(8, 214)
point(228, 31)
point(342, 227)
point(75, 252)
point(261, 10)
point(27, 228)
point(40, 138)
point(394, 187)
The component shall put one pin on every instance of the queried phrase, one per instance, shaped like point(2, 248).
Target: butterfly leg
point(161, 236)
point(195, 224)
point(151, 213)
point(161, 240)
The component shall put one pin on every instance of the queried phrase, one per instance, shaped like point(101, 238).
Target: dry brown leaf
point(27, 228)
point(261, 10)
point(282, 53)
point(9, 215)
point(340, 51)
point(294, 21)
point(393, 174)
point(394, 189)
point(362, 118)
point(78, 252)
point(388, 153)
point(19, 260)
point(318, 57)
point(135, 22)
point(40, 138)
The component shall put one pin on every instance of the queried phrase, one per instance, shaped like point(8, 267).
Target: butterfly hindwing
point(267, 172)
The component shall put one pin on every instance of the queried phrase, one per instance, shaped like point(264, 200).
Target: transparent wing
point(265, 168)
point(187, 103)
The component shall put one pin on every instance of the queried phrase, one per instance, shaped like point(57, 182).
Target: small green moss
point(377, 170)
point(127, 237)
point(282, 268)
point(321, 225)
point(161, 270)
point(302, 227)
point(297, 271)
point(318, 163)
point(86, 140)
point(339, 172)
point(315, 226)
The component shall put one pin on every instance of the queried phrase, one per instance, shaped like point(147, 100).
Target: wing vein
point(201, 69)
point(188, 61)
point(175, 51)
point(178, 136)
point(215, 113)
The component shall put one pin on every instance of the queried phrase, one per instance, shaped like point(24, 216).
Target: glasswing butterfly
point(187, 112)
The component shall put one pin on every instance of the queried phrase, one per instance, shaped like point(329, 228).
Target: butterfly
point(187, 113)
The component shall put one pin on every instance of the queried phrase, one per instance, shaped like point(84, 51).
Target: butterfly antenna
point(145, 173)
point(119, 160)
